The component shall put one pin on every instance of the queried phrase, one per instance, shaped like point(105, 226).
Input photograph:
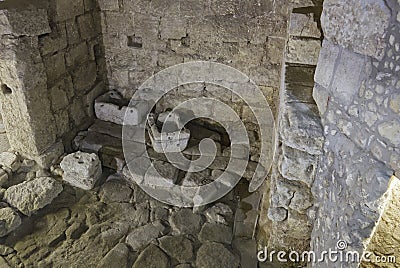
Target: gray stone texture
point(30, 196)
point(357, 25)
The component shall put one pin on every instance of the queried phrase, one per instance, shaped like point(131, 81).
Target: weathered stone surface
point(142, 236)
point(216, 233)
point(81, 169)
point(356, 24)
point(215, 255)
point(115, 191)
point(186, 222)
point(118, 257)
point(302, 129)
point(298, 165)
point(390, 131)
point(10, 161)
point(303, 51)
point(326, 63)
point(304, 25)
point(152, 256)
point(178, 247)
point(349, 73)
point(27, 22)
point(113, 108)
point(219, 213)
point(9, 221)
point(30, 196)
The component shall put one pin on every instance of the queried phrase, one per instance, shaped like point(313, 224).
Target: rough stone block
point(26, 22)
point(326, 63)
point(301, 128)
point(298, 166)
point(142, 236)
point(72, 32)
point(358, 25)
point(77, 54)
point(173, 27)
point(55, 67)
point(85, 76)
point(348, 75)
point(10, 161)
point(304, 25)
point(81, 169)
point(303, 51)
point(321, 97)
point(68, 9)
point(112, 108)
point(30, 196)
point(9, 221)
point(86, 25)
point(54, 41)
point(111, 5)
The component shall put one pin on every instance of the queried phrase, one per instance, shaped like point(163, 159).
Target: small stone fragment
point(219, 213)
point(10, 160)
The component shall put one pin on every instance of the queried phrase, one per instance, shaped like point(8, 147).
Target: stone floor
point(118, 225)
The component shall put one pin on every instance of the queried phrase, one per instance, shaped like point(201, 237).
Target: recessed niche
point(5, 89)
point(135, 41)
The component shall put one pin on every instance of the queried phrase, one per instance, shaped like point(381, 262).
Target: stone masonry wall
point(51, 70)
point(357, 85)
point(144, 37)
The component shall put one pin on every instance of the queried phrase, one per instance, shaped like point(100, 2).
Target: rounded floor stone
point(215, 255)
point(152, 257)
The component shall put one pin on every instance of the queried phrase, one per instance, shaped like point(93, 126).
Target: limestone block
point(277, 214)
point(77, 54)
point(10, 161)
point(30, 196)
point(68, 9)
point(219, 213)
point(390, 131)
point(215, 255)
point(358, 25)
point(321, 97)
point(301, 128)
point(55, 41)
point(173, 27)
point(25, 22)
point(9, 221)
point(152, 256)
point(178, 247)
point(326, 63)
point(349, 72)
point(81, 169)
point(85, 76)
point(298, 165)
point(304, 25)
point(303, 51)
point(86, 25)
point(112, 108)
point(109, 5)
point(142, 236)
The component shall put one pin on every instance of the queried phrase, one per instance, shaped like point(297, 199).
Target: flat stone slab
point(81, 169)
point(30, 196)
point(178, 247)
point(142, 236)
point(215, 255)
point(152, 256)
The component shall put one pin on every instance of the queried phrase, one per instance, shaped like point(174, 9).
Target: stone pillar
point(357, 78)
point(25, 103)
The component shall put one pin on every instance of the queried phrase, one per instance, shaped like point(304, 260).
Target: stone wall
point(51, 71)
point(357, 84)
point(143, 37)
point(300, 138)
